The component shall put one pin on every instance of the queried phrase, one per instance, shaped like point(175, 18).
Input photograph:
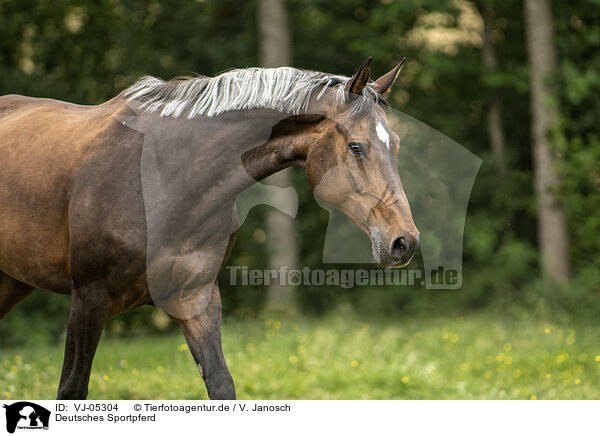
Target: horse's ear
point(358, 82)
point(386, 81)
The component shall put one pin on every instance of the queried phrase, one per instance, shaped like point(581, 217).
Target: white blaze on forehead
point(383, 135)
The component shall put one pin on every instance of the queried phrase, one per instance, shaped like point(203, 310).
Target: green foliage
point(578, 139)
point(39, 319)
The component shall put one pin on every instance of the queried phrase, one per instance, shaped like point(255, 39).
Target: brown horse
point(132, 202)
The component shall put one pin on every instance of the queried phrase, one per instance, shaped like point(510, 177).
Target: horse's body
point(60, 195)
point(85, 209)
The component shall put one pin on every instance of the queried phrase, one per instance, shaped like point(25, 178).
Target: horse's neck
point(216, 157)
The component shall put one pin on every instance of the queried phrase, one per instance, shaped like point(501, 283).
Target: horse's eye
point(357, 148)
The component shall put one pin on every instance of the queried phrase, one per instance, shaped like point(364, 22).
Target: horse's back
point(16, 106)
point(13, 102)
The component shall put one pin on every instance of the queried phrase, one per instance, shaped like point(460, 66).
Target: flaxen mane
point(284, 89)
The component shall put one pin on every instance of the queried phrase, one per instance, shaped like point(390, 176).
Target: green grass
point(479, 357)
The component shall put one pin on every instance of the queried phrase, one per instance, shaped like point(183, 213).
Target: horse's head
point(351, 158)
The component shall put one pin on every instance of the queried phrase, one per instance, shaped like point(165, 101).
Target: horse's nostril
point(399, 247)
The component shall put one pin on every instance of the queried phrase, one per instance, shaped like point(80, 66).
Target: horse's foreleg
point(90, 309)
point(203, 335)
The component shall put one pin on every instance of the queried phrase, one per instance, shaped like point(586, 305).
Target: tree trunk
point(275, 50)
point(494, 116)
point(552, 227)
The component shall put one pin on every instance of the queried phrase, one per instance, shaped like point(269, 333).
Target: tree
point(552, 227)
point(494, 115)
point(275, 50)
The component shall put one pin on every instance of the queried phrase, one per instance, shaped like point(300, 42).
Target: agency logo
point(26, 415)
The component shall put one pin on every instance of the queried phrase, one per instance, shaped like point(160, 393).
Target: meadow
point(482, 356)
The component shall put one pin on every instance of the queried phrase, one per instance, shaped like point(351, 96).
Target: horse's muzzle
point(398, 253)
